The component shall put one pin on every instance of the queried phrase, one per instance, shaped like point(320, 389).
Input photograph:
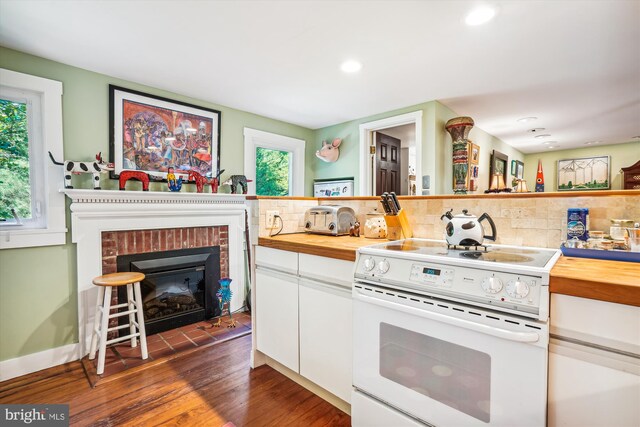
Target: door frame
point(367, 177)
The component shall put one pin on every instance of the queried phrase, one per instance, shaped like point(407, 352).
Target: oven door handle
point(525, 337)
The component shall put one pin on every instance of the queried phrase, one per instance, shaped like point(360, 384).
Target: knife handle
point(385, 204)
point(396, 203)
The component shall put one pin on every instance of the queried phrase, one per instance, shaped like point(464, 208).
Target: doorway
point(391, 152)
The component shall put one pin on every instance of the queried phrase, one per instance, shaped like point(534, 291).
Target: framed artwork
point(584, 173)
point(499, 165)
point(517, 169)
point(474, 153)
point(152, 134)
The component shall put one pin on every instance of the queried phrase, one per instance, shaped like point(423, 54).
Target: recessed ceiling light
point(550, 142)
point(544, 135)
point(527, 119)
point(535, 130)
point(551, 146)
point(480, 15)
point(351, 66)
point(592, 142)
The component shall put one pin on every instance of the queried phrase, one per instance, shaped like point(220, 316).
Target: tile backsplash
point(529, 221)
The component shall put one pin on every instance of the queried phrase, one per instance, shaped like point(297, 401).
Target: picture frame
point(517, 169)
point(584, 173)
point(474, 154)
point(499, 165)
point(151, 134)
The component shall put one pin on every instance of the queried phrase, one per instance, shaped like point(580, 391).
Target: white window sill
point(29, 238)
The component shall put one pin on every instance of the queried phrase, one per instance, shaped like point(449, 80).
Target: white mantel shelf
point(97, 211)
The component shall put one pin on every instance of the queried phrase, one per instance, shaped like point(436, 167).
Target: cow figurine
point(76, 168)
point(236, 180)
point(329, 151)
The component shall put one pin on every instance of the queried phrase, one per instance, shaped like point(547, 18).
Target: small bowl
point(606, 244)
point(596, 234)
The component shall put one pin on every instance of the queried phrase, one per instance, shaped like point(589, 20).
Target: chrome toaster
point(329, 219)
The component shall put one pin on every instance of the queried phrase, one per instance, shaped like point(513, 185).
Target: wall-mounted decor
point(152, 134)
point(517, 169)
point(329, 151)
point(459, 128)
point(498, 171)
point(584, 173)
point(474, 157)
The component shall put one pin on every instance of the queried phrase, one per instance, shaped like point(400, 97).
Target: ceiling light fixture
point(535, 130)
point(544, 135)
point(551, 146)
point(480, 15)
point(550, 142)
point(527, 119)
point(351, 66)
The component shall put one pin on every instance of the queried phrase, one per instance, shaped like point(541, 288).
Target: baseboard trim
point(34, 362)
point(311, 386)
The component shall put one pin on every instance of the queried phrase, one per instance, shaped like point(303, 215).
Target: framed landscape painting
point(152, 134)
point(584, 173)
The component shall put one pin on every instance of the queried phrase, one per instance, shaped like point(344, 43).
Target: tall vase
point(459, 128)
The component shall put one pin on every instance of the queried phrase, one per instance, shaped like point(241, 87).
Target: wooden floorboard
point(209, 387)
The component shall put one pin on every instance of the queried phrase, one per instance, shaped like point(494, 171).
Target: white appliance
point(450, 337)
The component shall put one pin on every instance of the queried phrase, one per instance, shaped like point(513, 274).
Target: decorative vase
point(459, 128)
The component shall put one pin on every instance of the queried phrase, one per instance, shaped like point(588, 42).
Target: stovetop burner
point(534, 257)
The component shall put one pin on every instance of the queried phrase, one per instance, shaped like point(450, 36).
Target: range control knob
point(491, 285)
point(368, 264)
point(383, 266)
point(332, 226)
point(517, 288)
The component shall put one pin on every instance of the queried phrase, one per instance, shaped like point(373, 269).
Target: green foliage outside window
point(15, 190)
point(272, 172)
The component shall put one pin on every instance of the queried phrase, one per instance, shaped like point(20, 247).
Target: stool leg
point(143, 335)
point(132, 316)
point(104, 325)
point(96, 323)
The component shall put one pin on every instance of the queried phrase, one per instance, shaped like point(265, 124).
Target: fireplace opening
point(179, 287)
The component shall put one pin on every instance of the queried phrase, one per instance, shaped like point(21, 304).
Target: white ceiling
point(573, 64)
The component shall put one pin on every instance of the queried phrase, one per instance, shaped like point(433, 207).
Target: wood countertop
point(611, 281)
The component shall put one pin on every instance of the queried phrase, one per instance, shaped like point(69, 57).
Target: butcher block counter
point(611, 281)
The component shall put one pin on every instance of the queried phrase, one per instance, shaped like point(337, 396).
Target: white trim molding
point(35, 362)
point(256, 138)
point(366, 140)
point(93, 212)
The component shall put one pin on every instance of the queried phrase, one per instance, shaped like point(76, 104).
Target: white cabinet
point(303, 309)
point(277, 316)
point(326, 336)
point(594, 363)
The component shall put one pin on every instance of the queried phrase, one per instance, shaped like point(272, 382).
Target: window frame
point(47, 136)
point(296, 147)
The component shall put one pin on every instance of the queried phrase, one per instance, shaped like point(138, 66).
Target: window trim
point(53, 230)
point(256, 138)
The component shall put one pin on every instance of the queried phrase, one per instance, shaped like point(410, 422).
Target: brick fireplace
point(106, 224)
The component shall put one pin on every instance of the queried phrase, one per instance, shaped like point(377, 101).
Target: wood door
point(387, 164)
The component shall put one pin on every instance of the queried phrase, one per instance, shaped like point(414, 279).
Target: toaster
point(329, 219)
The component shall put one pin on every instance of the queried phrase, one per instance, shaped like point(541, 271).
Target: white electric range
point(450, 337)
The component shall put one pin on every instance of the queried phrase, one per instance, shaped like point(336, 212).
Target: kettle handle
point(494, 233)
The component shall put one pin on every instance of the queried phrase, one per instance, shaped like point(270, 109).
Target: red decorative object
point(126, 175)
point(201, 181)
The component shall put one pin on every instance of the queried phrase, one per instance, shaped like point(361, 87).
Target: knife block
point(397, 226)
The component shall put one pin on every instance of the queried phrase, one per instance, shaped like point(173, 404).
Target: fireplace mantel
point(96, 211)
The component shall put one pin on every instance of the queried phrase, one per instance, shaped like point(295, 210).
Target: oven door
point(447, 364)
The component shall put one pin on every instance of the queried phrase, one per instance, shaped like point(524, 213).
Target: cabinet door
point(326, 337)
point(277, 316)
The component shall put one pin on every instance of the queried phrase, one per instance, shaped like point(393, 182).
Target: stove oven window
point(456, 376)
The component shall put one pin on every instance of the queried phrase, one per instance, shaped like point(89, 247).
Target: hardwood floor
point(209, 387)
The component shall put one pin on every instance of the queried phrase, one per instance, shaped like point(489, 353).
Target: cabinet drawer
point(325, 269)
point(277, 259)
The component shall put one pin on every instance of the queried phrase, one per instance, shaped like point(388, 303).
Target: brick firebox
point(129, 242)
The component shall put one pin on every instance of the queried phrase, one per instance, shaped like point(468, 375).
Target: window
point(274, 162)
point(31, 208)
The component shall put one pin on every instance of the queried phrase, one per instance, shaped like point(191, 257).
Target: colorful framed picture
point(152, 134)
point(584, 173)
point(474, 153)
point(517, 169)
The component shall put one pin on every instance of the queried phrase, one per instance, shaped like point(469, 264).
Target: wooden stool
point(103, 307)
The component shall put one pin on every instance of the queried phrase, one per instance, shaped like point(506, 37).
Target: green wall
point(436, 148)
point(622, 156)
point(38, 301)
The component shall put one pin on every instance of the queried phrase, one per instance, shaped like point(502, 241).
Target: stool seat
point(119, 279)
